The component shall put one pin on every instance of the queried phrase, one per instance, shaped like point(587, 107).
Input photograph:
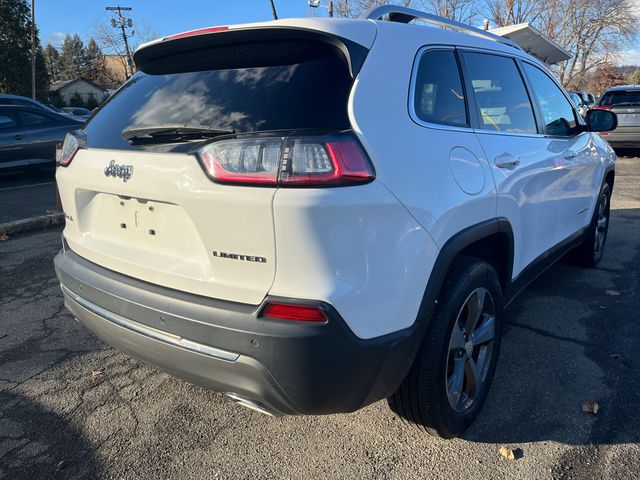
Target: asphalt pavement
point(26, 194)
point(71, 407)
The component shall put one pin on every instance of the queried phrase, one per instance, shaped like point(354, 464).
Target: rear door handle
point(506, 160)
point(570, 155)
point(18, 137)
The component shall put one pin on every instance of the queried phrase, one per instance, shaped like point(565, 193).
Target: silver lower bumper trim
point(148, 331)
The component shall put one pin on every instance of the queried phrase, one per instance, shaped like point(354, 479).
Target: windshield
point(629, 97)
point(304, 95)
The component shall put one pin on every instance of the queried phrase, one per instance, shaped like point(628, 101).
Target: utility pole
point(124, 22)
point(33, 49)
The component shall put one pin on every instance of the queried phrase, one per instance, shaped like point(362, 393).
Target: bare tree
point(512, 12)
point(110, 41)
point(463, 11)
point(590, 30)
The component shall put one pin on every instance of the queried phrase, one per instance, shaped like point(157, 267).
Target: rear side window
point(621, 98)
point(30, 119)
point(439, 96)
point(557, 112)
point(7, 120)
point(501, 97)
point(309, 93)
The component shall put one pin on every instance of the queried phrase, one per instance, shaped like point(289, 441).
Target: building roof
point(534, 42)
point(60, 84)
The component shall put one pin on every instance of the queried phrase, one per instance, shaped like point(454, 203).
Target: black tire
point(590, 251)
point(423, 397)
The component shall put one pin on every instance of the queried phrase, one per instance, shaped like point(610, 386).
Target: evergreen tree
point(15, 51)
point(76, 100)
point(92, 102)
point(52, 62)
point(94, 69)
point(72, 58)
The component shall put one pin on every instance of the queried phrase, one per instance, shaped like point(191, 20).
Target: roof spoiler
point(226, 46)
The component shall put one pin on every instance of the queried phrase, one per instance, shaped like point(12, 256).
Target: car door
point(529, 169)
point(572, 149)
point(44, 133)
point(13, 141)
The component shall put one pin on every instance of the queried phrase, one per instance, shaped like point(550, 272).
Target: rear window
point(304, 94)
point(622, 98)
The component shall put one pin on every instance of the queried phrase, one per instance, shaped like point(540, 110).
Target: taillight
point(73, 142)
point(200, 31)
point(298, 313)
point(287, 161)
point(603, 107)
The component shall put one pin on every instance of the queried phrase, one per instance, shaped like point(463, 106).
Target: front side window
point(557, 112)
point(438, 96)
point(501, 97)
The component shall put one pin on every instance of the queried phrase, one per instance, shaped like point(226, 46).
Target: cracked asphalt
point(71, 407)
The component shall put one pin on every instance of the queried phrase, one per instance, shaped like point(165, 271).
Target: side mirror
point(601, 120)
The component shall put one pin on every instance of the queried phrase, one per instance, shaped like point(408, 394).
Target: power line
point(123, 23)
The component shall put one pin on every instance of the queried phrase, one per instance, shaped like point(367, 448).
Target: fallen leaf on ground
point(589, 407)
point(614, 293)
point(3, 237)
point(96, 373)
point(508, 453)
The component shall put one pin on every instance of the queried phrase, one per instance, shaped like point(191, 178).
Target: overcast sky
point(57, 17)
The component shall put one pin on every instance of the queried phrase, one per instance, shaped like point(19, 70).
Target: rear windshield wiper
point(170, 132)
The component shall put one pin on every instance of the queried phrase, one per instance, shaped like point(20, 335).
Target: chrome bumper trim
point(148, 331)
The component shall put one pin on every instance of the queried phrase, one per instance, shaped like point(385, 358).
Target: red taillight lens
point(298, 313)
point(73, 142)
point(243, 161)
point(287, 161)
point(200, 31)
point(603, 107)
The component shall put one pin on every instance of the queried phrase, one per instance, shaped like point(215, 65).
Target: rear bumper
point(624, 137)
point(286, 367)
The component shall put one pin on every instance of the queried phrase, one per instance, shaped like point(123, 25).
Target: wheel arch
point(491, 240)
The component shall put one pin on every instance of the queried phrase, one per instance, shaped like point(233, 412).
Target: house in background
point(66, 90)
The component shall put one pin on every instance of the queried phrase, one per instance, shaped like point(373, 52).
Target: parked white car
point(315, 214)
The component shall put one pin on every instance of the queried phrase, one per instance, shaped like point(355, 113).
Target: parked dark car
point(78, 112)
point(28, 136)
point(20, 101)
point(623, 100)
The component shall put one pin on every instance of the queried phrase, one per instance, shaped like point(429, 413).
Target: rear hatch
point(626, 104)
point(138, 198)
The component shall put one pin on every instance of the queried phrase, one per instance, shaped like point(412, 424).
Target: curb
point(30, 224)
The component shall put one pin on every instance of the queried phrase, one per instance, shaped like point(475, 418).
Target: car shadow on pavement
point(36, 442)
point(572, 336)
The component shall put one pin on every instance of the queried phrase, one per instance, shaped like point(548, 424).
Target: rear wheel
point(589, 252)
point(450, 377)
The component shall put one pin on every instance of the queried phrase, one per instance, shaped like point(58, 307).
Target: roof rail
point(395, 13)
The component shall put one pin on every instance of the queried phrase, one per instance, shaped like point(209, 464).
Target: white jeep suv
point(311, 215)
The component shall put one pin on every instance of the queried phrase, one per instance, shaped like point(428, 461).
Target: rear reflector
point(200, 31)
point(322, 160)
point(298, 313)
